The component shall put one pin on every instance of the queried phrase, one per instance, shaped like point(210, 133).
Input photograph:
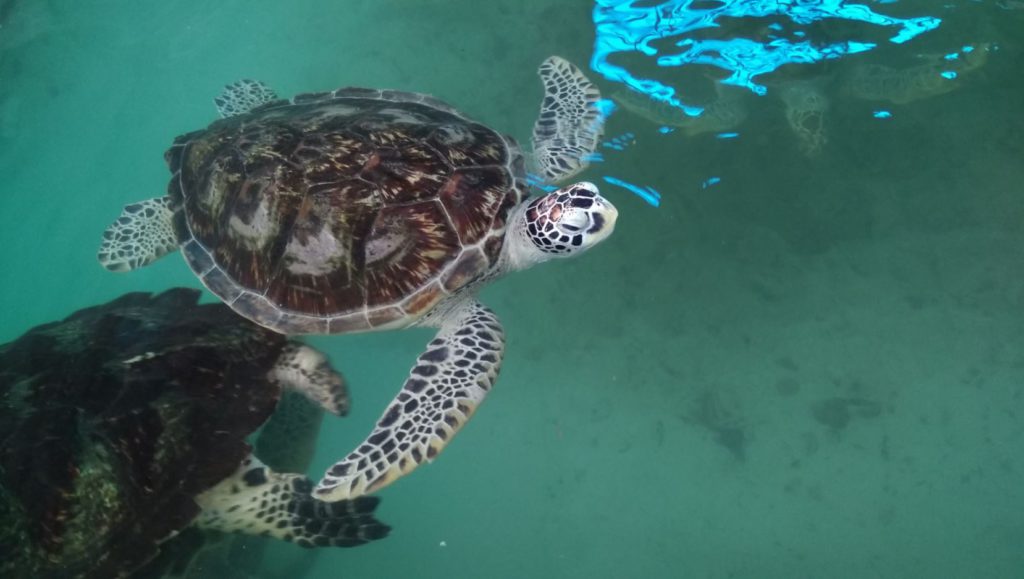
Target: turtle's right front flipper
point(141, 235)
point(443, 390)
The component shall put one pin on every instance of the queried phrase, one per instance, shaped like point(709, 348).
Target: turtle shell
point(344, 211)
point(114, 419)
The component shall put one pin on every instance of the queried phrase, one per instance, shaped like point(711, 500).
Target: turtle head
point(563, 223)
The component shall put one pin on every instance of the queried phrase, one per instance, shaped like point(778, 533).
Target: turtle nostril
point(598, 223)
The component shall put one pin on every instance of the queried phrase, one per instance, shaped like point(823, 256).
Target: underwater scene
point(263, 262)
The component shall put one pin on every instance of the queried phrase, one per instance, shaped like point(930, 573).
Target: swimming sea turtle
point(724, 113)
point(125, 423)
point(936, 75)
point(364, 209)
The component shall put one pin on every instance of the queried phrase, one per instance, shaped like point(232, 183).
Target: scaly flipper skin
point(309, 385)
point(443, 390)
point(570, 125)
point(307, 371)
point(242, 96)
point(259, 501)
point(141, 235)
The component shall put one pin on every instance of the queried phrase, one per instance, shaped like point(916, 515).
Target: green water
point(813, 368)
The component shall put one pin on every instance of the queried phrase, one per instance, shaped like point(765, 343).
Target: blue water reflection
point(676, 33)
point(628, 26)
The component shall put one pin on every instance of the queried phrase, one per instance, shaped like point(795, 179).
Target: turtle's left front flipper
point(443, 390)
point(259, 501)
point(570, 124)
point(142, 234)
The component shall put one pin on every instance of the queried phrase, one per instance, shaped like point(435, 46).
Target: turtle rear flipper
point(142, 234)
point(242, 96)
point(570, 125)
point(258, 501)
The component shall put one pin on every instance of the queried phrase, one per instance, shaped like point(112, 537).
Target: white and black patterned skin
point(362, 210)
point(258, 501)
point(140, 236)
point(307, 371)
point(245, 95)
point(568, 127)
point(442, 392)
point(557, 223)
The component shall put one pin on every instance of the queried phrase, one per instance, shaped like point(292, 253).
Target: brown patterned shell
point(344, 211)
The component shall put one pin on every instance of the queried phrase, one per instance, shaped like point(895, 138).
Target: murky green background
point(814, 368)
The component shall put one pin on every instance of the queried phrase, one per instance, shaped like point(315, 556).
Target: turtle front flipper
point(570, 124)
point(305, 370)
point(141, 235)
point(443, 390)
point(310, 385)
point(258, 501)
point(242, 96)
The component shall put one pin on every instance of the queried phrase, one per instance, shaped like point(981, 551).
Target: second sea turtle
point(125, 424)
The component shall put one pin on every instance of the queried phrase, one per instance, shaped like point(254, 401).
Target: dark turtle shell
point(344, 211)
point(114, 419)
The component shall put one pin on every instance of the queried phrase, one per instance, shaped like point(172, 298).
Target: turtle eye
point(573, 221)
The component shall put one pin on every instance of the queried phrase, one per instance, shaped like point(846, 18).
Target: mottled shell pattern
point(345, 211)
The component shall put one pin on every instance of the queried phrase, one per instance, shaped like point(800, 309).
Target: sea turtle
point(936, 75)
point(125, 423)
point(364, 209)
point(726, 112)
